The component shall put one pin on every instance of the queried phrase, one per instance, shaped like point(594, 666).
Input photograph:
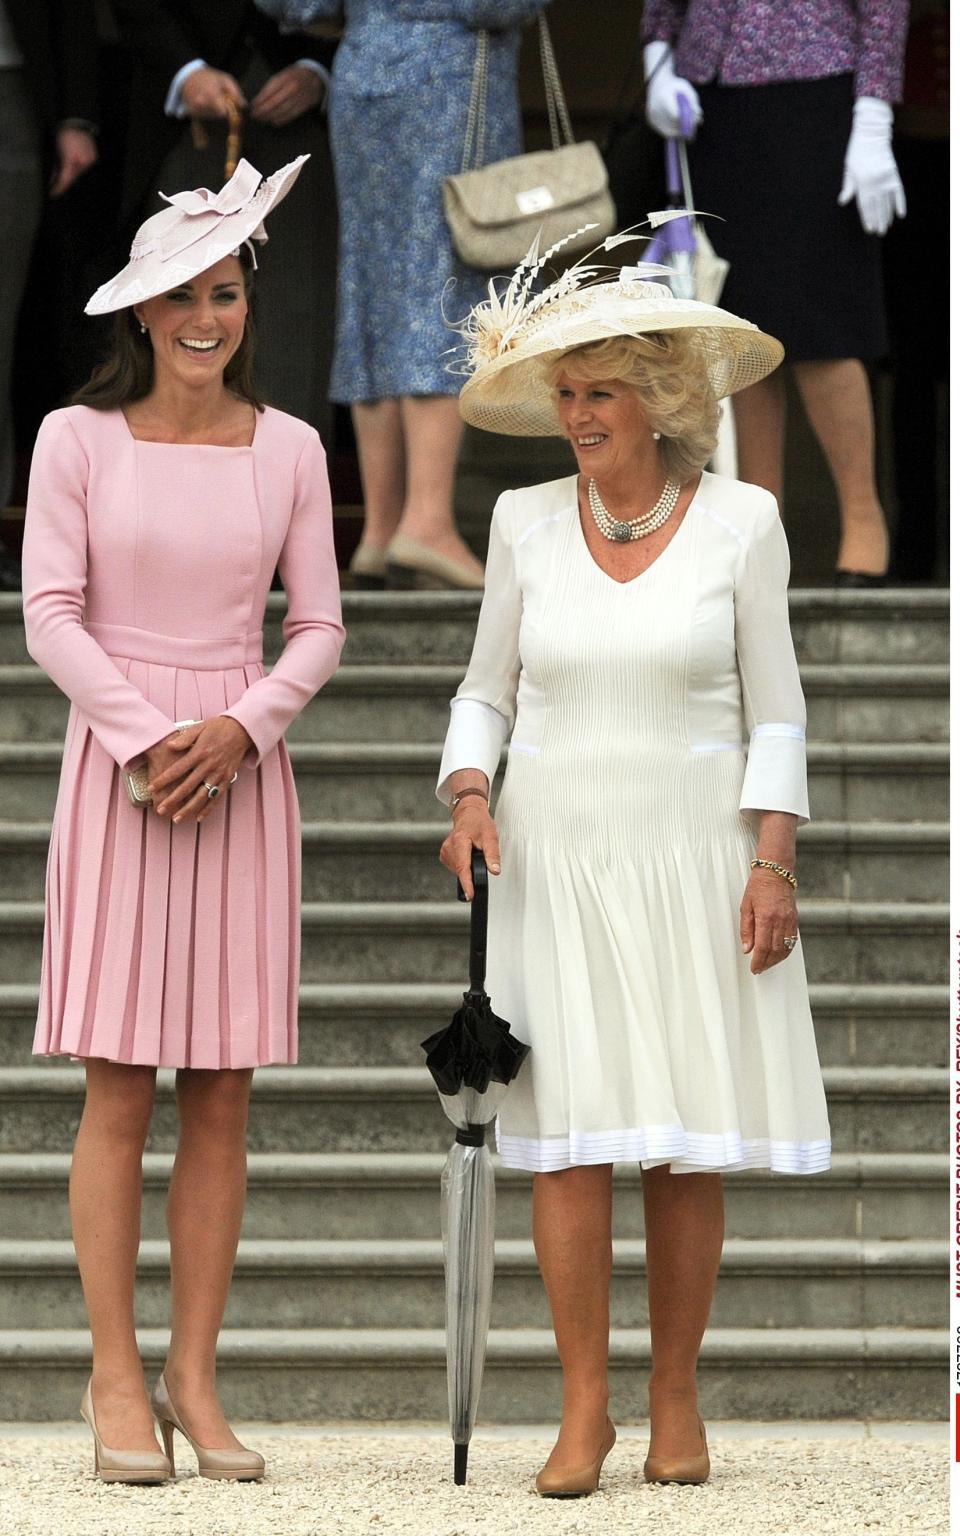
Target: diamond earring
point(656, 437)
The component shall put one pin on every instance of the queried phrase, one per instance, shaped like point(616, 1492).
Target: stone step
point(394, 781)
point(323, 1375)
point(368, 1196)
point(362, 702)
point(893, 942)
point(395, 1109)
point(361, 1024)
point(398, 861)
point(895, 625)
point(311, 1283)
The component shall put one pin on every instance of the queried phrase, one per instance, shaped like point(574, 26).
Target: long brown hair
point(126, 373)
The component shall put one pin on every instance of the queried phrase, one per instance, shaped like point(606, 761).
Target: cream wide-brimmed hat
point(512, 335)
point(194, 233)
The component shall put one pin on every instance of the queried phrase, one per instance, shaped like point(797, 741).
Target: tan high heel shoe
point(682, 1469)
point(113, 1466)
point(240, 1465)
point(561, 1483)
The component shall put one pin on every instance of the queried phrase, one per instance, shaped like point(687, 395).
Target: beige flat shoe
point(562, 1483)
point(414, 566)
point(368, 567)
point(689, 1469)
point(240, 1466)
point(113, 1466)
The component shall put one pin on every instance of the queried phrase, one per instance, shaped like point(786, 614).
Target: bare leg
point(432, 432)
point(204, 1215)
point(571, 1233)
point(836, 398)
point(379, 432)
point(106, 1183)
point(760, 413)
point(683, 1215)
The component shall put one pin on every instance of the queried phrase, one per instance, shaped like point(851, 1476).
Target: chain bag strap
point(495, 211)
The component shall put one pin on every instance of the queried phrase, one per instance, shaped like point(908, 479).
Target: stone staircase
point(832, 1296)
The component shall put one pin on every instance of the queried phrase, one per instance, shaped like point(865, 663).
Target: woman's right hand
point(163, 755)
point(473, 827)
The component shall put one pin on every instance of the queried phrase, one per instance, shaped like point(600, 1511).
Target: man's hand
point(287, 95)
point(202, 93)
point(76, 152)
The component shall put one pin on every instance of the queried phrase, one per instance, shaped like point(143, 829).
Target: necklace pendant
point(621, 532)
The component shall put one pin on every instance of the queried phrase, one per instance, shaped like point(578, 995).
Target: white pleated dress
point(648, 721)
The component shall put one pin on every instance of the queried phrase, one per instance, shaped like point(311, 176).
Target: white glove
point(663, 88)
point(869, 171)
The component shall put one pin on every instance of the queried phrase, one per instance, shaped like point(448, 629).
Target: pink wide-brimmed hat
point(194, 233)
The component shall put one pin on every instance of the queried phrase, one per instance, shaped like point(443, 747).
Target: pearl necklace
point(638, 527)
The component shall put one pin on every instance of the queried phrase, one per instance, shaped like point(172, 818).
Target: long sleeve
point(483, 711)
point(76, 54)
point(776, 716)
point(156, 36)
point(54, 589)
point(312, 629)
point(662, 20)
point(881, 48)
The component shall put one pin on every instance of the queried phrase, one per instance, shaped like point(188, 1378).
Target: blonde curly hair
point(667, 371)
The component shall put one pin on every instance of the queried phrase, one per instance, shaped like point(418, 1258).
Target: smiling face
point(605, 423)
point(196, 329)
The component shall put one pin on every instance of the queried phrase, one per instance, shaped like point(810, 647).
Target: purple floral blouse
point(753, 42)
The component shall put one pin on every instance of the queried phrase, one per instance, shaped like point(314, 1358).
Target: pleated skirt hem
point(656, 1145)
point(172, 946)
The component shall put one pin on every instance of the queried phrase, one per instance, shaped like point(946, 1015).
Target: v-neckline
point(582, 540)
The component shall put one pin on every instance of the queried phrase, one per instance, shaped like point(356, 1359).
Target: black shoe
point(10, 580)
point(859, 579)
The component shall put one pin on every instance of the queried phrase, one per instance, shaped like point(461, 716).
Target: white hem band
point(686, 1151)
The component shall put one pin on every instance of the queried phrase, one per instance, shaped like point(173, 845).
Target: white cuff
point(173, 106)
point(475, 739)
point(776, 771)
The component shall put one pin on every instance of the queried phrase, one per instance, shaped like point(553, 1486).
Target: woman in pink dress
point(160, 503)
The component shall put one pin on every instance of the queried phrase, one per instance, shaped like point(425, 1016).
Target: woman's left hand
point(768, 915)
point(209, 753)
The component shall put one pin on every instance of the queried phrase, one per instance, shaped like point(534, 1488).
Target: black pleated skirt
point(769, 160)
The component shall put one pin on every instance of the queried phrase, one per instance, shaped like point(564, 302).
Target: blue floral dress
point(398, 114)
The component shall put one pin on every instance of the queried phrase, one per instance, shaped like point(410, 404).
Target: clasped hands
point(286, 96)
point(181, 767)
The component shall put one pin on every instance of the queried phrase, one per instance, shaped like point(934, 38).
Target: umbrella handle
point(478, 920)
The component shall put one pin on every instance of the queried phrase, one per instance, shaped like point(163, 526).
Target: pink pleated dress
point(146, 571)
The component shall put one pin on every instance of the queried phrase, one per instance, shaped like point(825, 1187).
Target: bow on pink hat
point(196, 231)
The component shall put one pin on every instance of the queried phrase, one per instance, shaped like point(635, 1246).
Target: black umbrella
point(473, 1061)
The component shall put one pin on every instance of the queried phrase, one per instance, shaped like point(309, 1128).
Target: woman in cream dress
point(634, 632)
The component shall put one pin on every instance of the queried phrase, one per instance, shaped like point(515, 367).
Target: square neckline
point(219, 447)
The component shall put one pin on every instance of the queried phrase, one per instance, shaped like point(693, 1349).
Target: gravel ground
point(375, 1485)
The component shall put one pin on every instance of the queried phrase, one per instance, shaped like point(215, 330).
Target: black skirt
point(769, 160)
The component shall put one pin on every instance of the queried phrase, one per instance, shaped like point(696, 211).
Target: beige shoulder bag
point(494, 211)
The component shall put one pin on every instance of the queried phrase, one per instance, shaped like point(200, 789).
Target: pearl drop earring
point(143, 329)
point(656, 437)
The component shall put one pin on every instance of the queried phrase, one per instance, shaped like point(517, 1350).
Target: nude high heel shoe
point(688, 1469)
point(562, 1483)
point(113, 1466)
point(241, 1465)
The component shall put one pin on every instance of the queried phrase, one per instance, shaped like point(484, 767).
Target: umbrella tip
point(460, 1453)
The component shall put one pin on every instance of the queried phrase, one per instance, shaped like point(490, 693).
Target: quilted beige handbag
point(494, 211)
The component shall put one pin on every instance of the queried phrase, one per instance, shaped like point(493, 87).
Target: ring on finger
point(790, 941)
point(212, 790)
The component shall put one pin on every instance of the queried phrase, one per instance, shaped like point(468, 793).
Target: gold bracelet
point(778, 869)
